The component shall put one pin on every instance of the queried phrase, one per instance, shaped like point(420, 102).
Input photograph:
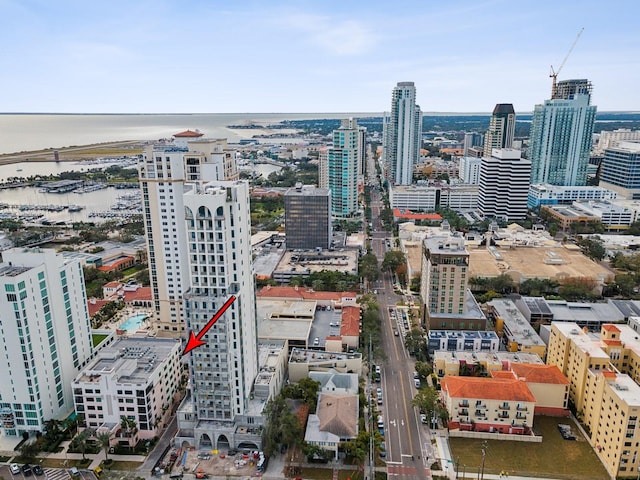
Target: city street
point(407, 440)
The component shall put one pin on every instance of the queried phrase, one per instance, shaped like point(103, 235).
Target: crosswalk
point(56, 474)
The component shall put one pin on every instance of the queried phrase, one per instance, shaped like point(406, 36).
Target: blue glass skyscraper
point(562, 134)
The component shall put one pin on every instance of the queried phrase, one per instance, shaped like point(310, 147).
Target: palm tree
point(80, 441)
point(129, 426)
point(105, 441)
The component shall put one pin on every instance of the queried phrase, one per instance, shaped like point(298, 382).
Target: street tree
point(416, 344)
point(369, 267)
point(393, 259)
point(427, 401)
point(423, 369)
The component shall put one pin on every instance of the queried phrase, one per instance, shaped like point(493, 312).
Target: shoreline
point(77, 152)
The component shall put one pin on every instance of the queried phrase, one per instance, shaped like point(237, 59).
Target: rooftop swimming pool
point(133, 322)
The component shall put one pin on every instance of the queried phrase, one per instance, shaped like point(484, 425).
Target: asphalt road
point(407, 440)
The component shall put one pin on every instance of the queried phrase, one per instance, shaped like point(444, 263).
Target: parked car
point(423, 418)
point(37, 469)
point(26, 470)
point(14, 468)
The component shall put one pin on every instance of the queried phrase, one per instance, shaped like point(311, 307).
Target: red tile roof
point(350, 325)
point(550, 374)
point(609, 374)
point(116, 264)
point(610, 328)
point(142, 293)
point(503, 374)
point(188, 134)
point(114, 284)
point(409, 215)
point(487, 388)
point(94, 305)
point(302, 293)
point(613, 343)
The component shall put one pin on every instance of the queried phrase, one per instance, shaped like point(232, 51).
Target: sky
point(210, 56)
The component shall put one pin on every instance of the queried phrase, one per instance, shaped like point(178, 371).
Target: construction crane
point(554, 73)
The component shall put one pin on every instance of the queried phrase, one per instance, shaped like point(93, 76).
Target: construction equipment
point(554, 73)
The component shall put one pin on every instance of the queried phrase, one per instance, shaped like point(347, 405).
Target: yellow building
point(612, 407)
point(603, 370)
point(516, 330)
point(448, 362)
point(548, 385)
point(574, 352)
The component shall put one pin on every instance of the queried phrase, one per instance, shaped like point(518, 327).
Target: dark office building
point(307, 217)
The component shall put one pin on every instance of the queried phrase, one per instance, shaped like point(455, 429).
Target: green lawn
point(554, 457)
point(97, 338)
point(317, 473)
point(121, 465)
point(61, 463)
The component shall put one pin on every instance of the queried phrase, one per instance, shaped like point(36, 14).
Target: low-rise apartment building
point(466, 340)
point(456, 362)
point(501, 405)
point(136, 378)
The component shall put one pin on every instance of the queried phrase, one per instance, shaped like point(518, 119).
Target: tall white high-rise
point(469, 171)
point(343, 158)
point(403, 132)
point(164, 172)
point(562, 135)
point(45, 337)
point(218, 228)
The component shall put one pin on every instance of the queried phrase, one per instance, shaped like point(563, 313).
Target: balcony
point(463, 411)
point(504, 406)
point(521, 408)
point(463, 403)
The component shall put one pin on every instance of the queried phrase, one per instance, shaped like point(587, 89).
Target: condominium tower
point(45, 337)
point(343, 158)
point(223, 370)
point(307, 217)
point(403, 132)
point(164, 171)
point(562, 135)
point(502, 127)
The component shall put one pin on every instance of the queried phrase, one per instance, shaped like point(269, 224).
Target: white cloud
point(333, 35)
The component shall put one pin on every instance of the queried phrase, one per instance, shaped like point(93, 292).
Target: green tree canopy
point(393, 259)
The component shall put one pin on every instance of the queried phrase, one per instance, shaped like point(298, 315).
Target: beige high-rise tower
point(164, 173)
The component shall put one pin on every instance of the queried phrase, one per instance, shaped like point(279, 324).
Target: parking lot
point(47, 474)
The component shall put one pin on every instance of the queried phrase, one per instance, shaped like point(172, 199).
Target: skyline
point(291, 57)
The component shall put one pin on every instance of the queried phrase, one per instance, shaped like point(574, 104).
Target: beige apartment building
point(504, 405)
point(603, 371)
point(611, 418)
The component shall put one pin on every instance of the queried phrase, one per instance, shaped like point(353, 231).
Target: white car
point(423, 418)
point(15, 469)
point(316, 341)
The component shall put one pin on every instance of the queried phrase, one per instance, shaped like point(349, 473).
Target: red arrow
point(195, 340)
